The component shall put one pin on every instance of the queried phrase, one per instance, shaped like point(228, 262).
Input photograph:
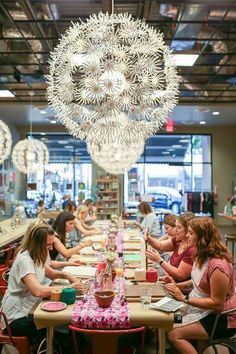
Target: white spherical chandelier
point(30, 155)
point(115, 158)
point(109, 69)
point(5, 141)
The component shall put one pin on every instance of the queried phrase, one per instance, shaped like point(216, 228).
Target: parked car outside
point(166, 198)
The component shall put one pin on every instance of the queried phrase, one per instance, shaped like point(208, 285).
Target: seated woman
point(169, 227)
point(92, 212)
point(26, 277)
point(70, 207)
point(180, 264)
point(150, 220)
point(40, 207)
point(81, 215)
point(213, 289)
point(68, 240)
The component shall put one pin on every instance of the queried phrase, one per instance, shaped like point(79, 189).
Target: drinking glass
point(119, 274)
point(145, 296)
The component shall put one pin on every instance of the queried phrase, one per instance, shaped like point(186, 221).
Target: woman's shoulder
point(220, 263)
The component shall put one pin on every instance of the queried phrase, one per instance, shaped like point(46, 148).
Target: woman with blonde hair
point(26, 279)
point(179, 266)
point(213, 289)
point(81, 214)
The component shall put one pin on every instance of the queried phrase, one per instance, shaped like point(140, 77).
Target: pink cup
point(151, 275)
point(101, 265)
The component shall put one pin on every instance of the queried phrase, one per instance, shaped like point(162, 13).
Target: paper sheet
point(82, 271)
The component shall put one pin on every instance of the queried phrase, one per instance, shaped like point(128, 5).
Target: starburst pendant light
point(115, 158)
point(5, 141)
point(30, 155)
point(112, 66)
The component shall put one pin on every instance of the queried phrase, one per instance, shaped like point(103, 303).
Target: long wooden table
point(138, 316)
point(10, 235)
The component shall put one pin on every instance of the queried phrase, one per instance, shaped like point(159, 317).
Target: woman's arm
point(61, 264)
point(36, 289)
point(65, 252)
point(179, 273)
point(166, 245)
point(219, 282)
point(68, 252)
point(85, 232)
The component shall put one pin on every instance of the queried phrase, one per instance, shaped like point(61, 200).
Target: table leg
point(162, 341)
point(50, 332)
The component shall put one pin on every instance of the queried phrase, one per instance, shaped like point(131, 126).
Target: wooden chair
point(230, 242)
point(20, 343)
point(230, 342)
point(106, 340)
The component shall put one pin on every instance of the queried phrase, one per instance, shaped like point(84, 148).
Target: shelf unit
point(108, 201)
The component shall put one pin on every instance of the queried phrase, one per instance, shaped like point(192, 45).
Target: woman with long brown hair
point(27, 278)
point(213, 289)
point(179, 266)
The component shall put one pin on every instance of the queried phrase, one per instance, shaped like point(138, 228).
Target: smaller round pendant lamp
point(5, 141)
point(30, 155)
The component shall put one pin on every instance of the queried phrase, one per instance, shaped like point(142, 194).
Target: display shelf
point(108, 197)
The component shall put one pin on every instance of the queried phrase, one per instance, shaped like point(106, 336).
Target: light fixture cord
point(112, 7)
point(31, 117)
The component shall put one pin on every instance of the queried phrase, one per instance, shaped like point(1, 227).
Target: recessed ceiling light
point(184, 140)
point(6, 93)
point(185, 59)
point(202, 122)
point(215, 113)
point(53, 121)
point(42, 133)
point(62, 142)
point(43, 112)
point(176, 146)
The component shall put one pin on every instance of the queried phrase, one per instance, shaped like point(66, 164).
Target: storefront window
point(171, 167)
point(68, 172)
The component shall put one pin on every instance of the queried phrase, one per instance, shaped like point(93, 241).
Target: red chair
point(9, 254)
point(20, 343)
point(105, 341)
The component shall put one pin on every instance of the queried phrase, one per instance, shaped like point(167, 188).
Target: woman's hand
point(72, 278)
point(167, 279)
point(153, 255)
point(74, 263)
point(149, 239)
point(77, 285)
point(98, 231)
point(175, 292)
point(86, 243)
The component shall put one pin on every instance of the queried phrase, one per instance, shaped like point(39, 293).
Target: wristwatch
point(161, 261)
point(186, 299)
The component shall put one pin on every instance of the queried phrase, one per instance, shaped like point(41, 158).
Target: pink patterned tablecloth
point(89, 315)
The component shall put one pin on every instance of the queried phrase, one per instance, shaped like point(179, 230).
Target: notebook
point(167, 304)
